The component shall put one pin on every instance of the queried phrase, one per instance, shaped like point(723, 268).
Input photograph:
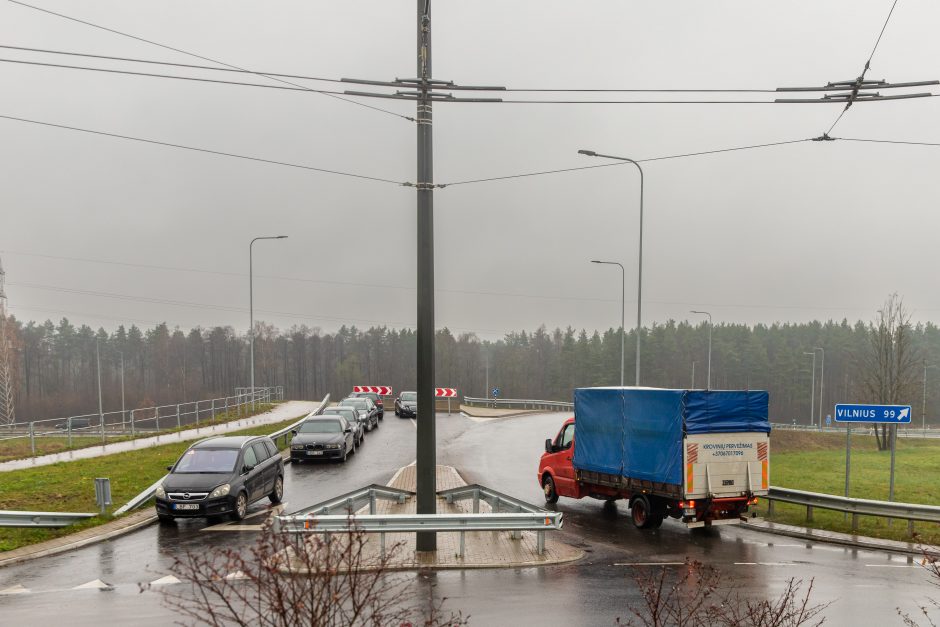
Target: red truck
point(702, 457)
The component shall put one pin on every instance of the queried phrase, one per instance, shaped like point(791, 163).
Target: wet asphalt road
point(864, 587)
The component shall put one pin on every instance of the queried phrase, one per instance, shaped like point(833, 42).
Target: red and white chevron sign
point(446, 392)
point(381, 390)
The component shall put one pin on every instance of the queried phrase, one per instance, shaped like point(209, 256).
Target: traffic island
point(396, 551)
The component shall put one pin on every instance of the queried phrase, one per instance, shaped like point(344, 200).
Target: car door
point(561, 460)
point(254, 479)
point(268, 469)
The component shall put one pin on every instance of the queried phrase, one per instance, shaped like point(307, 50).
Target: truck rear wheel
point(642, 515)
point(548, 487)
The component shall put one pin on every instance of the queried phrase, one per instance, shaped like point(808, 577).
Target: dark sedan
point(322, 437)
point(406, 405)
point(375, 398)
point(221, 475)
point(359, 422)
point(365, 406)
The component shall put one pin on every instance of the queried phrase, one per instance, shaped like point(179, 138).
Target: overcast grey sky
point(790, 233)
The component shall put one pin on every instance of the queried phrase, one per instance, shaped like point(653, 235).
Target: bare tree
point(698, 596)
point(931, 563)
point(311, 582)
point(889, 372)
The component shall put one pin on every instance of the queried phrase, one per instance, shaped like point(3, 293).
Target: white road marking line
point(414, 422)
point(94, 584)
point(649, 563)
point(765, 564)
point(891, 565)
point(169, 580)
point(17, 589)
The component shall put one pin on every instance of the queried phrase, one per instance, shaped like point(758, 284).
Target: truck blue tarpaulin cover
point(638, 432)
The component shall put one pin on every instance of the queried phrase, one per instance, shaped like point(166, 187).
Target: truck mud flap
point(713, 523)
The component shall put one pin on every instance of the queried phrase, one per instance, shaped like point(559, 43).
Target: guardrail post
point(69, 427)
point(372, 501)
point(197, 414)
point(212, 411)
point(462, 543)
point(382, 544)
point(770, 507)
point(910, 527)
point(854, 522)
point(476, 501)
point(32, 437)
point(133, 428)
point(809, 513)
point(156, 416)
point(226, 406)
point(178, 425)
point(540, 542)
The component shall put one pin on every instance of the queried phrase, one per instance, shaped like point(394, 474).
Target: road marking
point(165, 581)
point(94, 584)
point(17, 589)
point(766, 564)
point(891, 565)
point(649, 563)
point(414, 422)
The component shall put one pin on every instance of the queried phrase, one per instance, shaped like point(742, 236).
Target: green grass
point(816, 462)
point(20, 448)
point(70, 486)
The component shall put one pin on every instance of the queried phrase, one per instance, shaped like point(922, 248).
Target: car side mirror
point(170, 468)
point(549, 447)
point(294, 432)
point(247, 468)
point(347, 430)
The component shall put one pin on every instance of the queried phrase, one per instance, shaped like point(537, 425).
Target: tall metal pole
point(426, 464)
point(639, 283)
point(122, 390)
point(100, 406)
point(822, 378)
point(623, 300)
point(923, 410)
point(251, 310)
point(812, 393)
point(693, 376)
point(708, 380)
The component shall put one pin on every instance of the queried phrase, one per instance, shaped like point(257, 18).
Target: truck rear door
point(725, 465)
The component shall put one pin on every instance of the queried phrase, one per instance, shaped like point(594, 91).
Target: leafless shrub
point(931, 563)
point(698, 596)
point(287, 582)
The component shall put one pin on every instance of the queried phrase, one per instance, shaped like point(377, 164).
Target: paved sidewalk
point(835, 537)
point(483, 549)
point(284, 411)
point(490, 412)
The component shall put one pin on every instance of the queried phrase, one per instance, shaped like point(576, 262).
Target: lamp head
point(589, 153)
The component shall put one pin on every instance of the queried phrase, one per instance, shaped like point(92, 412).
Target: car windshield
point(346, 412)
point(358, 403)
point(321, 426)
point(207, 460)
point(409, 396)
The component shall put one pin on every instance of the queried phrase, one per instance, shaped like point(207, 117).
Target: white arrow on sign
point(904, 413)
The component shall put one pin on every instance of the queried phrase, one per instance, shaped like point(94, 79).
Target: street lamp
point(708, 384)
point(639, 284)
point(822, 378)
point(251, 310)
point(923, 411)
point(623, 296)
point(812, 394)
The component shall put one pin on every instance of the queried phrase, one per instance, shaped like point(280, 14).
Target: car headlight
point(161, 493)
point(222, 490)
point(332, 446)
point(297, 447)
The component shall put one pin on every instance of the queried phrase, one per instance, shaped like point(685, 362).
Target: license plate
point(185, 505)
point(314, 452)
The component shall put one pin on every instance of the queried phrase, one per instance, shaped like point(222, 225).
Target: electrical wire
point(861, 78)
point(886, 141)
point(196, 149)
point(607, 165)
point(204, 58)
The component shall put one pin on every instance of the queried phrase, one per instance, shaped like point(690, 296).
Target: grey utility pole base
point(426, 464)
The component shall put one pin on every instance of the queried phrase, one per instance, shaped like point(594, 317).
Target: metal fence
point(507, 514)
point(146, 420)
point(856, 507)
point(908, 430)
point(515, 403)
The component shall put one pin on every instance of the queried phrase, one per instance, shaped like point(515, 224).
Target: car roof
point(229, 442)
point(324, 418)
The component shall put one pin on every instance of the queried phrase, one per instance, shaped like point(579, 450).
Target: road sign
point(893, 414)
point(495, 392)
point(445, 392)
point(381, 390)
point(828, 420)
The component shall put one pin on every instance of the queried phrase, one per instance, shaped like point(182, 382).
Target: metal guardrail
point(524, 517)
point(856, 507)
point(147, 494)
point(40, 519)
point(515, 403)
point(904, 431)
point(143, 420)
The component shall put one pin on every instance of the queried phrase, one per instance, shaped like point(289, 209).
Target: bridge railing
point(517, 403)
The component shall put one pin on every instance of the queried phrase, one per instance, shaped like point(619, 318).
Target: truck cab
point(556, 470)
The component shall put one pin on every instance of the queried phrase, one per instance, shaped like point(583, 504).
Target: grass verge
point(20, 448)
point(70, 486)
point(816, 462)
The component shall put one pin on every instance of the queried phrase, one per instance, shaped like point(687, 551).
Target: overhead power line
point(204, 58)
point(886, 141)
point(196, 149)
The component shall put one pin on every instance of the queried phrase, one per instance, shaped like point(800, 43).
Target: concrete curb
point(844, 539)
point(107, 531)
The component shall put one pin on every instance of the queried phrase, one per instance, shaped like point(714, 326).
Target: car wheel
point(396, 413)
point(165, 519)
point(278, 493)
point(548, 487)
point(241, 506)
point(345, 454)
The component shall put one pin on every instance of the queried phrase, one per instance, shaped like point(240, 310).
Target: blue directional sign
point(495, 392)
point(896, 414)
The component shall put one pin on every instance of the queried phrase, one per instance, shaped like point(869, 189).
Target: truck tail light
point(753, 501)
